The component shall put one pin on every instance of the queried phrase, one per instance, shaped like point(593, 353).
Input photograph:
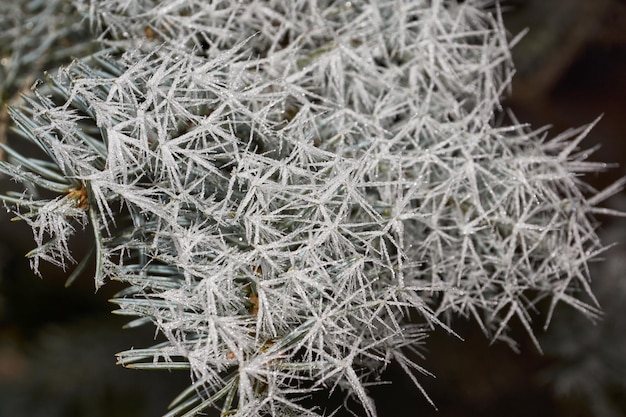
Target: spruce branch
point(294, 192)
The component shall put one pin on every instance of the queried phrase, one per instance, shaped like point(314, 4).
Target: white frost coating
point(290, 179)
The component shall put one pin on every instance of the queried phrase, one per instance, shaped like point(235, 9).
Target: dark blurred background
point(57, 345)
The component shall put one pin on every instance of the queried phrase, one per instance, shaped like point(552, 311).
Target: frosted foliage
point(34, 36)
point(296, 191)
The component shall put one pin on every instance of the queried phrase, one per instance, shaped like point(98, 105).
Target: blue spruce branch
point(296, 192)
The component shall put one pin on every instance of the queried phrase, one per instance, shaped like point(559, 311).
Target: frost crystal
point(296, 191)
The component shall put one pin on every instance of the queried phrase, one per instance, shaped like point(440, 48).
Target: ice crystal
point(296, 191)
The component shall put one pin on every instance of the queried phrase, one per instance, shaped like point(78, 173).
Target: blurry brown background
point(57, 344)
